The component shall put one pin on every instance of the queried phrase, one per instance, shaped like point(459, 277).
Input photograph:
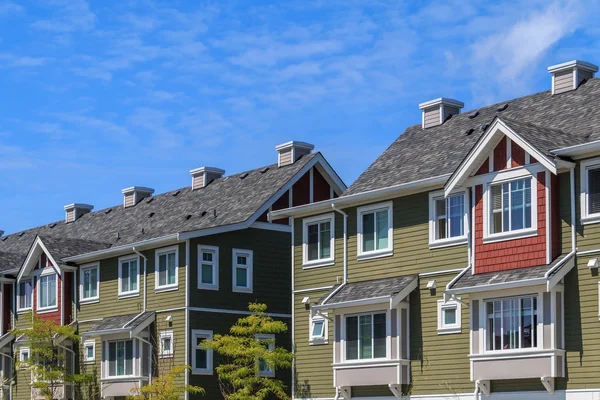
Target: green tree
point(246, 356)
point(50, 361)
point(165, 387)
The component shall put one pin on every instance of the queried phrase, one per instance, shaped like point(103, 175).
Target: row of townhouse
point(463, 263)
point(145, 282)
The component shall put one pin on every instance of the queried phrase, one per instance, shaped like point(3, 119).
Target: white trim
point(314, 289)
point(18, 291)
point(324, 337)
point(86, 344)
point(388, 343)
point(585, 166)
point(508, 153)
point(226, 311)
point(208, 335)
point(24, 350)
point(330, 217)
point(360, 211)
point(449, 241)
point(443, 328)
point(214, 250)
point(162, 353)
point(126, 259)
point(87, 267)
point(547, 192)
point(249, 254)
point(49, 308)
point(157, 254)
point(271, 227)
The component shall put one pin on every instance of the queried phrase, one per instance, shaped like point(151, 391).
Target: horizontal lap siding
point(563, 81)
point(164, 364)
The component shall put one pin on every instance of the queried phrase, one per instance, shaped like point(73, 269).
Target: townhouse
point(147, 281)
point(463, 263)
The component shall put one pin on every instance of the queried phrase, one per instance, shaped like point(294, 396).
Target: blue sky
point(96, 97)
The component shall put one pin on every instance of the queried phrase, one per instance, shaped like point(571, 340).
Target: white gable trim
point(32, 257)
point(486, 145)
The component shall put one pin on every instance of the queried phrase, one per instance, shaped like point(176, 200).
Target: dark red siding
point(500, 155)
point(517, 155)
point(281, 203)
point(7, 305)
point(54, 315)
point(485, 167)
point(321, 189)
point(301, 191)
point(555, 205)
point(67, 303)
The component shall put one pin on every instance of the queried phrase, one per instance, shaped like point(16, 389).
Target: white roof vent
point(135, 194)
point(202, 176)
point(288, 153)
point(75, 210)
point(436, 111)
point(569, 75)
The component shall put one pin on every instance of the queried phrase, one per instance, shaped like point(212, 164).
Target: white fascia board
point(30, 261)
point(578, 150)
point(353, 303)
point(573, 64)
point(498, 286)
point(394, 301)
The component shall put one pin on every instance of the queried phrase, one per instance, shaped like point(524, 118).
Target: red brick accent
point(517, 155)
point(500, 155)
point(485, 167)
point(511, 254)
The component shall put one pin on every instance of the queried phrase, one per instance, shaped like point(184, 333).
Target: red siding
point(281, 203)
point(510, 254)
point(321, 189)
point(485, 167)
point(517, 155)
point(68, 298)
point(49, 316)
point(301, 191)
point(500, 155)
point(555, 204)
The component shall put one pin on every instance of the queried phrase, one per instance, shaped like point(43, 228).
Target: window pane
point(379, 336)
point(242, 260)
point(517, 189)
point(456, 211)
point(313, 242)
point(366, 336)
point(207, 274)
point(594, 191)
point(440, 219)
point(94, 282)
point(89, 352)
point(510, 314)
point(505, 208)
point(133, 275)
point(207, 256)
point(325, 235)
point(368, 231)
point(162, 270)
point(125, 277)
point(241, 277)
point(86, 283)
point(318, 327)
point(171, 268)
point(382, 229)
point(526, 323)
point(496, 209)
point(449, 316)
point(352, 338)
point(129, 357)
point(112, 359)
point(51, 291)
point(201, 354)
point(120, 358)
point(167, 344)
point(43, 292)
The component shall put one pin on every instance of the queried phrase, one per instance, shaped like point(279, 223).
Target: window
point(510, 206)
point(24, 354)
point(24, 295)
point(242, 270)
point(90, 283)
point(166, 344)
point(590, 191)
point(375, 230)
point(89, 351)
point(129, 276)
point(449, 317)
point(366, 336)
point(447, 219)
point(511, 323)
point(267, 340)
point(318, 240)
point(166, 270)
point(318, 329)
point(208, 267)
point(47, 291)
point(120, 358)
point(202, 359)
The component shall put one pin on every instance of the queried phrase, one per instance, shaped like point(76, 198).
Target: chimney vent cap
point(441, 100)
point(296, 144)
point(139, 189)
point(212, 170)
point(573, 64)
point(81, 206)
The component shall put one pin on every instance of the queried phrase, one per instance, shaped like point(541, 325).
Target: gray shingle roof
point(386, 287)
point(226, 201)
point(61, 248)
point(121, 322)
point(565, 119)
point(513, 275)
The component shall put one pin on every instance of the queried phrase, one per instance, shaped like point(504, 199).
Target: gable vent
point(135, 194)
point(288, 153)
point(76, 210)
point(202, 176)
point(436, 111)
point(569, 75)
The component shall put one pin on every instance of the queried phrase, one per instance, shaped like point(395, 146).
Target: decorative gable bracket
point(396, 390)
point(345, 392)
point(548, 384)
point(483, 386)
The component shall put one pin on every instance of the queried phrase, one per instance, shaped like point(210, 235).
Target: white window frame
point(208, 335)
point(134, 359)
point(84, 268)
point(249, 268)
point(321, 262)
point(270, 371)
point(487, 202)
point(24, 350)
point(129, 293)
point(388, 332)
point(443, 328)
point(318, 340)
point(364, 255)
point(157, 254)
point(86, 344)
point(449, 241)
point(30, 280)
point(161, 351)
point(38, 283)
point(584, 167)
point(215, 266)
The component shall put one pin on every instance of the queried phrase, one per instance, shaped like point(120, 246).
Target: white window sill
point(128, 295)
point(89, 301)
point(375, 254)
point(318, 342)
point(318, 263)
point(590, 219)
point(448, 242)
point(208, 287)
point(241, 290)
point(365, 362)
point(162, 289)
point(122, 378)
point(201, 372)
point(170, 355)
point(89, 361)
point(24, 310)
point(46, 310)
point(515, 353)
point(448, 331)
point(501, 237)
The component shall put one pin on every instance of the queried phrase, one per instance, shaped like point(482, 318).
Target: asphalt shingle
point(370, 289)
point(121, 322)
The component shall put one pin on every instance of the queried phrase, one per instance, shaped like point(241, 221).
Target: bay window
point(47, 289)
point(366, 336)
point(120, 358)
point(511, 323)
point(318, 240)
point(375, 230)
point(510, 206)
point(166, 268)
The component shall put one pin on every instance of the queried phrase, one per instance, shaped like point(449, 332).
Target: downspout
point(573, 233)
point(145, 274)
point(345, 254)
point(293, 311)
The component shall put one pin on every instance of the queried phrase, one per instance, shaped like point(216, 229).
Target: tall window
point(166, 271)
point(593, 191)
point(47, 291)
point(202, 359)
point(447, 218)
point(242, 270)
point(366, 336)
point(208, 267)
point(590, 191)
point(375, 229)
point(318, 240)
point(510, 205)
point(264, 368)
point(24, 294)
point(129, 276)
point(90, 282)
point(120, 358)
point(511, 323)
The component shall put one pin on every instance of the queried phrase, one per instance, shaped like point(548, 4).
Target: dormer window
point(511, 208)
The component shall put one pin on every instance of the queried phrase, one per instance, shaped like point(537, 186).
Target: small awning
point(548, 274)
point(387, 290)
point(131, 324)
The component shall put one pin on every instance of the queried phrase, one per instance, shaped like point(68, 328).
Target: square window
point(447, 219)
point(89, 351)
point(208, 267)
point(375, 230)
point(449, 319)
point(166, 344)
point(511, 206)
point(166, 268)
point(202, 359)
point(90, 282)
point(511, 323)
point(120, 358)
point(242, 270)
point(24, 354)
point(129, 275)
point(366, 336)
point(318, 240)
